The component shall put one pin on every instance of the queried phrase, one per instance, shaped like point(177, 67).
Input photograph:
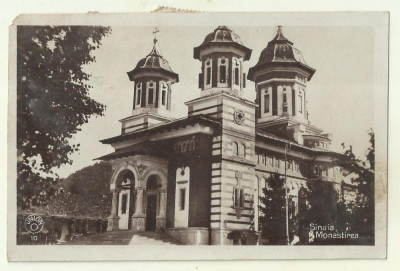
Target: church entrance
point(151, 213)
point(152, 202)
point(126, 201)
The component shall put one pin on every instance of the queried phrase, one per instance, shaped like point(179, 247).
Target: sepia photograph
point(195, 130)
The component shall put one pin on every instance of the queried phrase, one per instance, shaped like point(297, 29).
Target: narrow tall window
point(124, 201)
point(239, 197)
point(222, 74)
point(208, 76)
point(163, 97)
point(222, 71)
point(150, 92)
point(182, 196)
point(138, 93)
point(236, 76)
point(208, 73)
point(235, 148)
point(301, 103)
point(163, 90)
point(150, 98)
point(236, 66)
point(266, 103)
point(139, 96)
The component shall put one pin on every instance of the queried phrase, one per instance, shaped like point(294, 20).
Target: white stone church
point(198, 178)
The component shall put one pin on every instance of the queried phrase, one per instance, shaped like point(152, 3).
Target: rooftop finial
point(279, 31)
point(155, 34)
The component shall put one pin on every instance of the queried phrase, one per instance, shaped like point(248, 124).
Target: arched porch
point(146, 181)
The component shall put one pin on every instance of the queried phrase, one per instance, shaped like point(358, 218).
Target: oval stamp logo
point(34, 223)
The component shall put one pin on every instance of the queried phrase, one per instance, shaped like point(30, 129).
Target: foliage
point(363, 209)
point(323, 199)
point(273, 209)
point(52, 102)
point(85, 193)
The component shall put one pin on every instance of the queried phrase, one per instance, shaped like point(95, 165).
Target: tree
point(273, 208)
point(363, 209)
point(52, 102)
point(85, 193)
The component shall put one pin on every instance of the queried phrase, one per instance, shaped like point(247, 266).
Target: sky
point(340, 94)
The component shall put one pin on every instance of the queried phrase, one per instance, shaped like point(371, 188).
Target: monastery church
point(199, 178)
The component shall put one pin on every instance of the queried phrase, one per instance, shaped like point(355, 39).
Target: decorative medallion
point(239, 116)
point(141, 168)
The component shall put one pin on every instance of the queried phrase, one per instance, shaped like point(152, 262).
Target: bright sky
point(340, 94)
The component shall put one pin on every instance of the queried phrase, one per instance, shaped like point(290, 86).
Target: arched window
point(207, 73)
point(236, 72)
point(266, 101)
point(163, 96)
point(242, 150)
point(138, 93)
point(285, 101)
point(151, 86)
point(235, 148)
point(222, 72)
point(300, 101)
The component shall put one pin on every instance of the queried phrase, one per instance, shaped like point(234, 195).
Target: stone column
point(162, 212)
point(138, 219)
point(113, 219)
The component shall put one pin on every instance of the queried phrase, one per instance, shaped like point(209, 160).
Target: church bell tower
point(153, 78)
point(221, 82)
point(281, 76)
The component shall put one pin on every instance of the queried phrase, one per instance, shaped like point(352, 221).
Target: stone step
point(153, 238)
point(125, 238)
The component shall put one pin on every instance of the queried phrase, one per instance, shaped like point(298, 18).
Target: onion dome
point(222, 36)
point(280, 52)
point(154, 62)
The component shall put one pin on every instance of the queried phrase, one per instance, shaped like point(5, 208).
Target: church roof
point(154, 62)
point(143, 148)
point(167, 126)
point(222, 36)
point(280, 51)
point(265, 136)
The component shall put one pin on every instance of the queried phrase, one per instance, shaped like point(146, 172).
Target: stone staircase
point(122, 237)
point(153, 239)
point(125, 237)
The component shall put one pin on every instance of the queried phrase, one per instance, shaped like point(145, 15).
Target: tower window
point(182, 198)
point(208, 73)
point(236, 76)
point(301, 103)
point(266, 103)
point(150, 97)
point(163, 97)
point(208, 82)
point(222, 74)
point(138, 93)
point(236, 72)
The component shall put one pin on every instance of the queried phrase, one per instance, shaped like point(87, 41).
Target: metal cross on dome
point(156, 30)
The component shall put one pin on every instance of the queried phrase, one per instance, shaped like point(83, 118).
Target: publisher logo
point(34, 223)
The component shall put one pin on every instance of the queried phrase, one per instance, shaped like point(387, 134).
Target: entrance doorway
point(126, 201)
point(153, 186)
point(151, 212)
